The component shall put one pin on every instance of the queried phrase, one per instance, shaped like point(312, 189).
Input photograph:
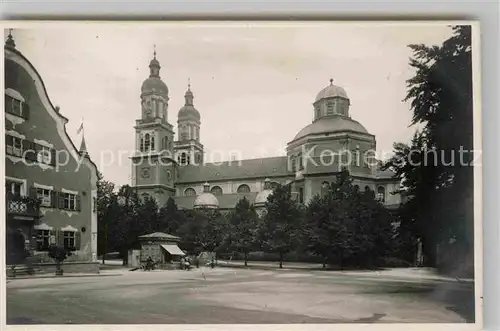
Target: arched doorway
point(15, 247)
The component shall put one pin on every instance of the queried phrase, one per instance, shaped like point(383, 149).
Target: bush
point(59, 254)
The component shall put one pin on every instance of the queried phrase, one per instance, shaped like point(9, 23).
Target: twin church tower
point(157, 157)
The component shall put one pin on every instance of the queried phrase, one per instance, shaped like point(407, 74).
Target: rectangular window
point(329, 109)
point(44, 154)
point(14, 146)
point(69, 201)
point(69, 240)
point(13, 187)
point(13, 106)
point(43, 240)
point(45, 197)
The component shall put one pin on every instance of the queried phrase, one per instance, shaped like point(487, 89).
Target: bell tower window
point(329, 108)
point(147, 142)
point(183, 158)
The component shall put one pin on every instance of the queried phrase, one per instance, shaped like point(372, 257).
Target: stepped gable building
point(191, 182)
point(51, 186)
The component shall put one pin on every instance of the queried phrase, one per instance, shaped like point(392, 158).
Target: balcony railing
point(22, 206)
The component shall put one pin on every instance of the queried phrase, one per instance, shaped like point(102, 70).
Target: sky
point(253, 83)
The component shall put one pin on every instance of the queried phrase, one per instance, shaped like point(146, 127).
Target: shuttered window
point(29, 150)
point(43, 240)
point(69, 201)
point(16, 107)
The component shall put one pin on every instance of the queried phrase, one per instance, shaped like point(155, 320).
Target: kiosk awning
point(173, 250)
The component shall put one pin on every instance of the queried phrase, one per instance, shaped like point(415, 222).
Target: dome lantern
point(331, 101)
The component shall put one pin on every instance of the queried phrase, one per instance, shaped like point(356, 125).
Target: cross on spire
point(10, 40)
point(189, 83)
point(331, 81)
point(154, 51)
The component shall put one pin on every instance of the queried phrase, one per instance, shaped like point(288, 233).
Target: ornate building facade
point(51, 186)
point(313, 157)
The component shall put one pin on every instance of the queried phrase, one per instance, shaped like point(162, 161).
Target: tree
point(105, 196)
point(147, 213)
point(347, 226)
point(59, 254)
point(242, 228)
point(204, 230)
point(440, 189)
point(170, 219)
point(280, 227)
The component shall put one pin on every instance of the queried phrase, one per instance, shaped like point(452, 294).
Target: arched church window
point(189, 192)
point(243, 188)
point(147, 142)
point(141, 147)
point(152, 143)
point(367, 188)
point(198, 158)
point(329, 108)
point(381, 194)
point(188, 159)
point(318, 112)
point(183, 158)
point(216, 190)
point(301, 165)
point(356, 188)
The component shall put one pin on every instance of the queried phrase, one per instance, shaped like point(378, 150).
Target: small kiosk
point(162, 248)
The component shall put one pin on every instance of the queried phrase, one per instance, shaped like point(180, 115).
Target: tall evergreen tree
point(170, 218)
point(348, 227)
point(440, 204)
point(242, 228)
point(280, 228)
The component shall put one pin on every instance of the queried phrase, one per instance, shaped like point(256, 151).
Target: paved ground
point(226, 295)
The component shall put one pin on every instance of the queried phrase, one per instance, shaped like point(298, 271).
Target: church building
point(165, 168)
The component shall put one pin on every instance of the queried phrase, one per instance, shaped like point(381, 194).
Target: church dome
point(154, 85)
point(206, 200)
point(261, 198)
point(330, 124)
point(331, 91)
point(189, 111)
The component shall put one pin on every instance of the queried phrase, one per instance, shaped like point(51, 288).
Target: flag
point(80, 128)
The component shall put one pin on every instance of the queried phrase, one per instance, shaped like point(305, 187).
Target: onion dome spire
point(10, 40)
point(188, 97)
point(154, 66)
